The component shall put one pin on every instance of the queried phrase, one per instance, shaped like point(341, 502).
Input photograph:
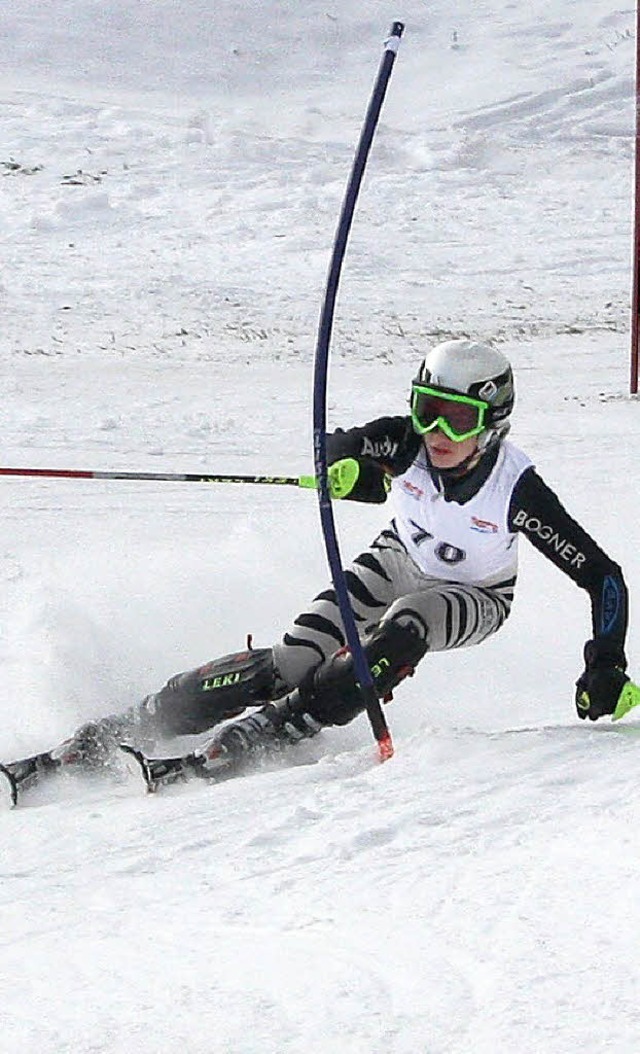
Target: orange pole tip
point(385, 747)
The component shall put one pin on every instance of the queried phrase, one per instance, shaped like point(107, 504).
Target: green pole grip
point(628, 700)
point(343, 476)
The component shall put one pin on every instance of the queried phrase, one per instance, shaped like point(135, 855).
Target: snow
point(170, 181)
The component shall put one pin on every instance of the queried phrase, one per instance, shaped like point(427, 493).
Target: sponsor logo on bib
point(412, 490)
point(483, 526)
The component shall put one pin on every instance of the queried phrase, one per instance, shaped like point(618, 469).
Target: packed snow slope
point(170, 180)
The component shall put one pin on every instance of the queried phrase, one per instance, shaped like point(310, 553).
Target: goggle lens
point(458, 416)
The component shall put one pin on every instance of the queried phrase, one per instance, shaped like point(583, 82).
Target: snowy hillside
point(170, 181)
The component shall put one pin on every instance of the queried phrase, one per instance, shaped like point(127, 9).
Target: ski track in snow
point(167, 220)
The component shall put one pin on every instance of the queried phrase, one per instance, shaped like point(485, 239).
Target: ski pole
point(363, 673)
point(173, 477)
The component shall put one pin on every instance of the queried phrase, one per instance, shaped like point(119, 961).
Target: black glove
point(598, 688)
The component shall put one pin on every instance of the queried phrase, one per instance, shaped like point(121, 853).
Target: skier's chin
point(443, 460)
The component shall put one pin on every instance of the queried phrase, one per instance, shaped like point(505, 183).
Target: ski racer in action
point(441, 575)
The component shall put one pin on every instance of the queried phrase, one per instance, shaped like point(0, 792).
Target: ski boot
point(18, 776)
point(235, 747)
point(93, 748)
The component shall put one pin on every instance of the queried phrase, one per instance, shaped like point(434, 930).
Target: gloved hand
point(598, 688)
point(343, 476)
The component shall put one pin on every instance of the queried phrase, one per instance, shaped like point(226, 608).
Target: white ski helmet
point(468, 367)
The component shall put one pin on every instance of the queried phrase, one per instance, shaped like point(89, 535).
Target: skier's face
point(444, 452)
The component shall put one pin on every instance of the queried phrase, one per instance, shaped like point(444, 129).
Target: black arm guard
point(537, 512)
point(389, 442)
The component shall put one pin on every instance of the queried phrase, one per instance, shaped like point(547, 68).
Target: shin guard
point(195, 701)
point(332, 695)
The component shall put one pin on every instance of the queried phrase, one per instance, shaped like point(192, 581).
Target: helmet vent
point(488, 391)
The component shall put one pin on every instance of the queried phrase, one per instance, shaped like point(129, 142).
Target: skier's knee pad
point(394, 648)
point(194, 701)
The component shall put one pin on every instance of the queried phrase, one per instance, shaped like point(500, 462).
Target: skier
point(441, 575)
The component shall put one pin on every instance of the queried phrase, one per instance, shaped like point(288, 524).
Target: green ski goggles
point(459, 416)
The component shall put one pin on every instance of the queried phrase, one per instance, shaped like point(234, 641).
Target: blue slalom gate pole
point(362, 671)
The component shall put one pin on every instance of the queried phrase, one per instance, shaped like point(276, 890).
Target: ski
point(214, 762)
point(165, 771)
point(18, 776)
point(227, 754)
point(155, 772)
point(22, 775)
